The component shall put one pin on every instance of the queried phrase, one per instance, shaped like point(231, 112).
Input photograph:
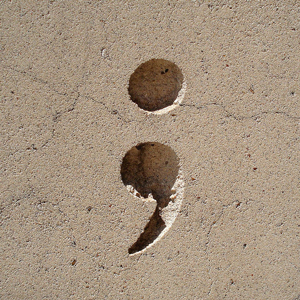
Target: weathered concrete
point(67, 122)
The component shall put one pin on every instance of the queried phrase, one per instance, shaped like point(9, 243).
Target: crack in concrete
point(228, 114)
point(58, 114)
point(234, 203)
point(113, 112)
point(206, 250)
point(48, 140)
point(37, 79)
point(239, 117)
point(210, 288)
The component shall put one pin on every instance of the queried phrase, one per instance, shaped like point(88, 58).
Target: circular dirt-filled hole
point(155, 84)
point(151, 170)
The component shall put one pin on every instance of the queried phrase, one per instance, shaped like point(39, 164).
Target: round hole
point(155, 84)
point(151, 168)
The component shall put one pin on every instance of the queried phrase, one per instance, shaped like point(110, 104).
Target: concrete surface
point(67, 121)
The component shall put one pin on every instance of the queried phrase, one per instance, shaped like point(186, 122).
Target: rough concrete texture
point(67, 121)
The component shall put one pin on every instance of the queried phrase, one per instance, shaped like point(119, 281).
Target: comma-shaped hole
point(151, 172)
point(156, 84)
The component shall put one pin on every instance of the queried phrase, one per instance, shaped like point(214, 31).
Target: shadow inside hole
point(150, 90)
point(151, 168)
